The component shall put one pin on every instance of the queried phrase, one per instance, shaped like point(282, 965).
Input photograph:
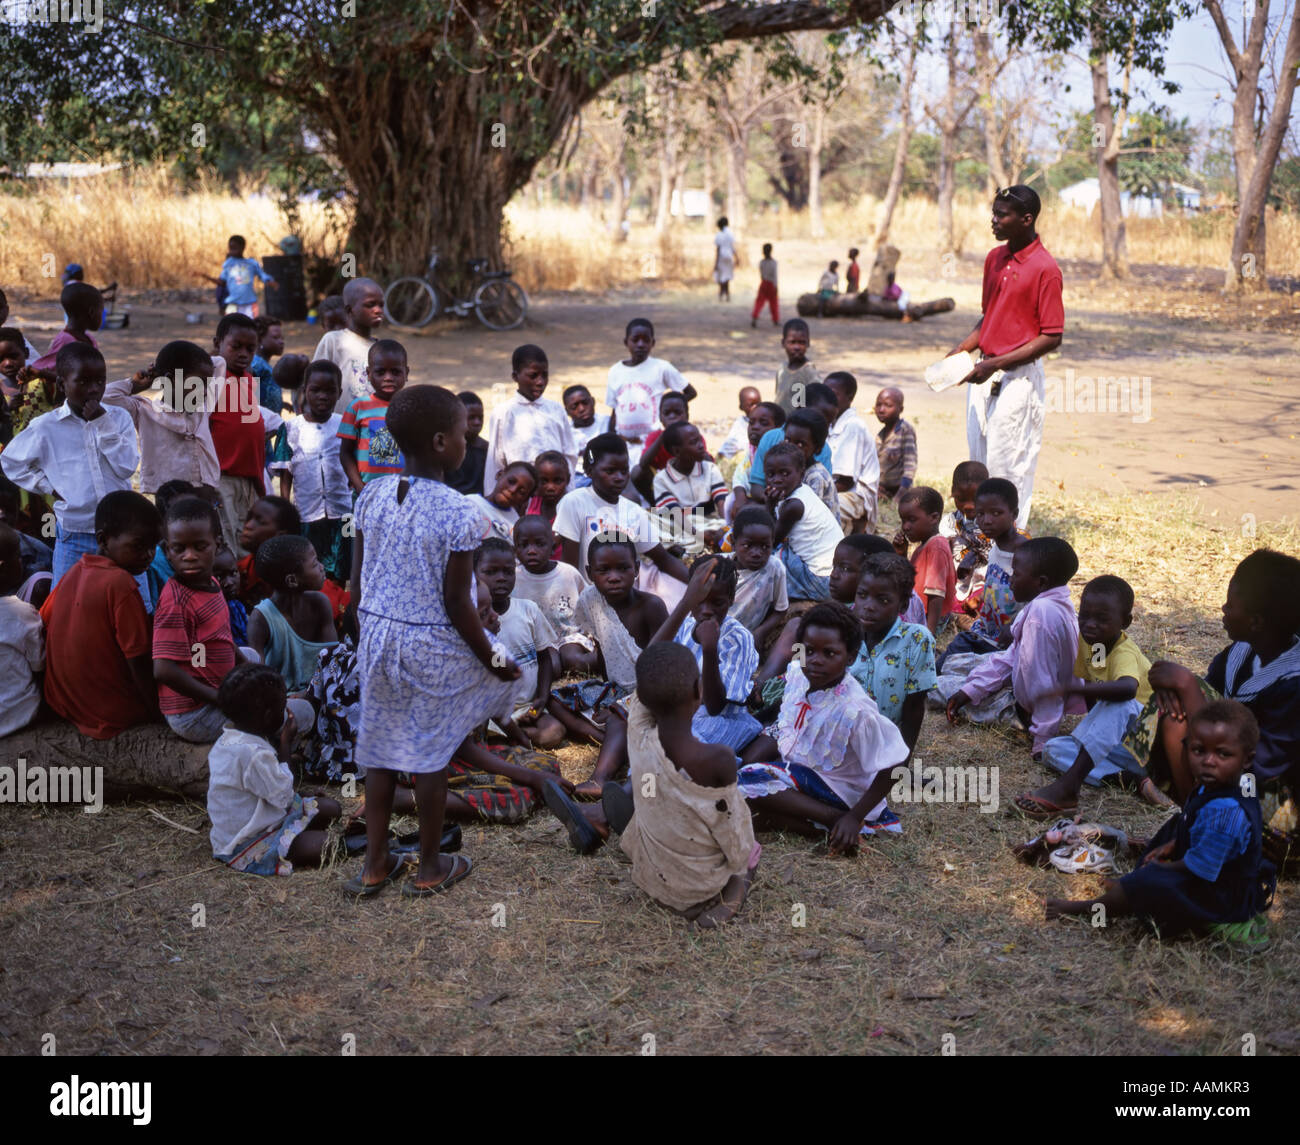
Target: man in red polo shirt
point(1023, 319)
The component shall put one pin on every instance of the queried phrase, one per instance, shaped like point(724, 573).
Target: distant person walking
point(1023, 319)
point(724, 259)
point(766, 288)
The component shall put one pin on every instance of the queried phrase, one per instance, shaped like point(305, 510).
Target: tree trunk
point(618, 204)
point(986, 64)
point(901, 146)
point(863, 305)
point(816, 227)
point(947, 186)
point(1114, 239)
point(664, 201)
point(737, 192)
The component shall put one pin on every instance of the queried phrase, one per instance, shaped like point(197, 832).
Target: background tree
point(1257, 135)
point(435, 111)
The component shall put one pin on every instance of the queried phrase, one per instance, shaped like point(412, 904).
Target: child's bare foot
point(1152, 794)
point(733, 898)
point(1059, 908)
point(590, 790)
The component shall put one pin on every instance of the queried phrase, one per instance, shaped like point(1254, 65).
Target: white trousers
point(1006, 432)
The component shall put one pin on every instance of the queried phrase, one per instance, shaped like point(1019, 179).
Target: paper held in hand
point(947, 372)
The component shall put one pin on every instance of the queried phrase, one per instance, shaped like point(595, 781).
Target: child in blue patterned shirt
point(896, 662)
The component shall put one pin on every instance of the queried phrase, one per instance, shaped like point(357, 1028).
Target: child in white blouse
point(830, 765)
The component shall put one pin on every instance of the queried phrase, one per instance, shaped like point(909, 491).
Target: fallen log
point(867, 305)
point(142, 760)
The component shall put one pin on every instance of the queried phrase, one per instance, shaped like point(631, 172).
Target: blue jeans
point(69, 548)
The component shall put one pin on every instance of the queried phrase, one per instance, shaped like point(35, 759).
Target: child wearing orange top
point(920, 509)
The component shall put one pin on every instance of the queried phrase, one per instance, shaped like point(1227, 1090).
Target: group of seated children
point(754, 657)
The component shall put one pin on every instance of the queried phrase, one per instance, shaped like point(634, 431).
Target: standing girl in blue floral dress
point(429, 672)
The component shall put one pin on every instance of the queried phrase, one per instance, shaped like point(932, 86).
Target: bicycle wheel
point(500, 304)
point(410, 302)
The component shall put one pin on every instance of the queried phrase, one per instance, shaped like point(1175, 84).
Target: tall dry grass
point(140, 230)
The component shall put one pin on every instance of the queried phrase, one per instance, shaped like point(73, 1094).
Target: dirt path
point(1141, 402)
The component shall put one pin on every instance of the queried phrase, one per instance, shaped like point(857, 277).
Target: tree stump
point(867, 305)
point(142, 760)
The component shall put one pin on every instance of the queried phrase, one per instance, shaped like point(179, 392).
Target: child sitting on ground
point(674, 409)
point(512, 489)
point(76, 453)
point(919, 510)
point(268, 517)
point(259, 825)
point(366, 448)
point(349, 347)
point(761, 602)
point(895, 444)
point(689, 492)
point(429, 673)
point(636, 385)
point(314, 475)
point(586, 422)
point(601, 509)
point(554, 587)
point(84, 307)
point(807, 429)
point(1261, 668)
point(98, 670)
point(552, 484)
point(22, 641)
point(996, 504)
point(970, 547)
point(1204, 871)
point(828, 769)
point(526, 423)
point(1044, 642)
point(1114, 684)
point(724, 653)
point(529, 638)
point(737, 439)
point(295, 624)
point(854, 463)
point(806, 530)
point(690, 838)
point(764, 418)
point(226, 569)
point(622, 620)
point(193, 647)
point(467, 478)
point(798, 373)
point(896, 662)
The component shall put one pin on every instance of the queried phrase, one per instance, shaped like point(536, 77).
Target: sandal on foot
point(584, 837)
point(1033, 806)
point(618, 805)
point(354, 886)
point(461, 865)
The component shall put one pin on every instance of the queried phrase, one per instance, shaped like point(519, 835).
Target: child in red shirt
point(239, 425)
point(97, 663)
point(920, 509)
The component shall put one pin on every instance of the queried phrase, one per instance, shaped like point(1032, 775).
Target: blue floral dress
point(422, 689)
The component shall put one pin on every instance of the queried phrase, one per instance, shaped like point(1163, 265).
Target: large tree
point(435, 111)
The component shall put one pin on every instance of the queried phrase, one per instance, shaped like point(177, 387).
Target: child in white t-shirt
point(689, 492)
point(636, 385)
point(349, 348)
point(515, 485)
point(806, 532)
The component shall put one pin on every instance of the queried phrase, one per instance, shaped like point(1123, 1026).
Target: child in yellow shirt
point(1111, 676)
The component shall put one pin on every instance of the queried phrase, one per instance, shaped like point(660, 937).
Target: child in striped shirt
point(366, 448)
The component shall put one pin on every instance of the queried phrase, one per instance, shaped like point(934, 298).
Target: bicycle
point(497, 301)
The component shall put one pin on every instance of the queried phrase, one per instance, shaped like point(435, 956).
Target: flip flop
point(584, 837)
point(1033, 806)
point(354, 885)
point(619, 807)
point(412, 890)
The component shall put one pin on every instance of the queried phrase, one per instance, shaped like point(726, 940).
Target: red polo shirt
point(1022, 298)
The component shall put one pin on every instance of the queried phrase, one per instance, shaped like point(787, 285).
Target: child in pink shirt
point(84, 306)
point(920, 509)
point(1044, 642)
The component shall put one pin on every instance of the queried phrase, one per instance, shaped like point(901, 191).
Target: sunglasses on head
point(1015, 195)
